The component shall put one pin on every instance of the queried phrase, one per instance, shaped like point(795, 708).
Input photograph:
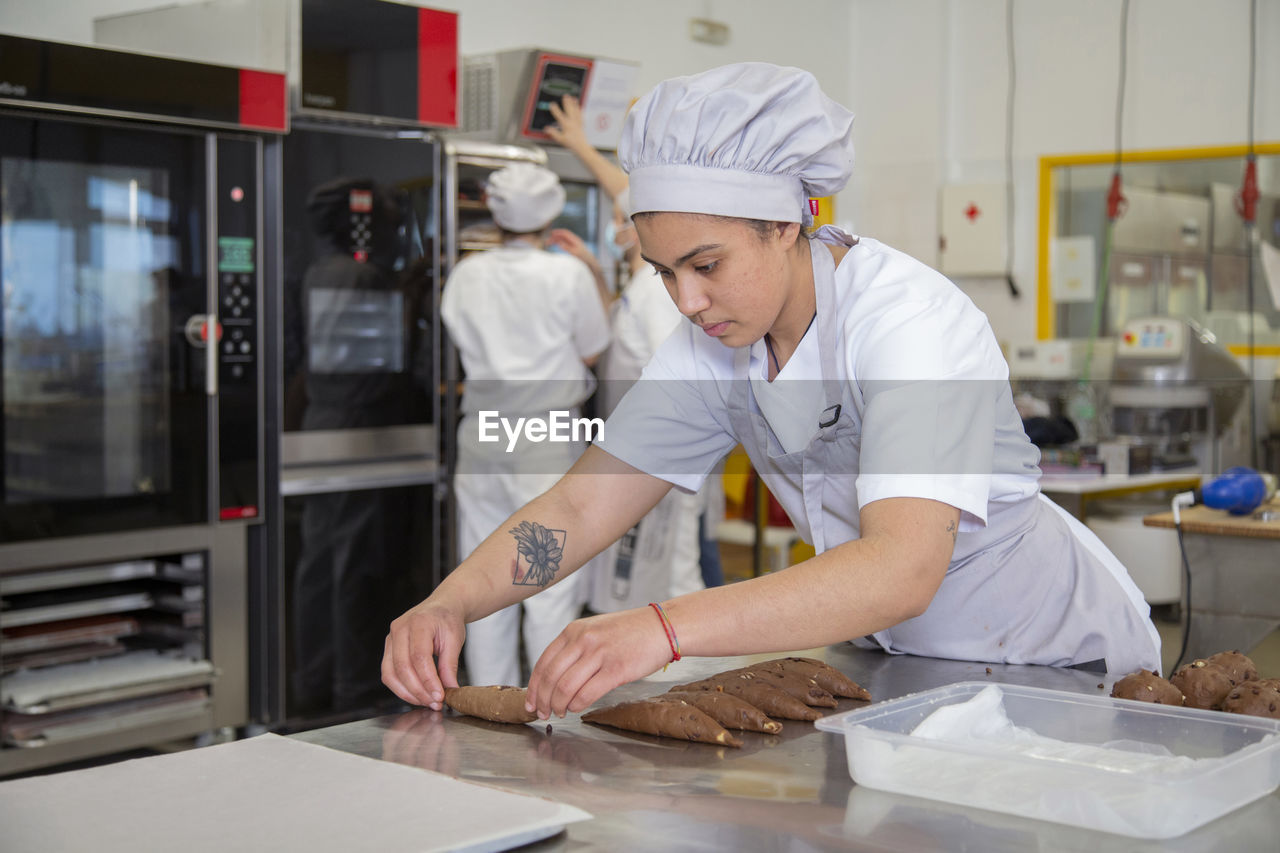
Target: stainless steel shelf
point(327, 479)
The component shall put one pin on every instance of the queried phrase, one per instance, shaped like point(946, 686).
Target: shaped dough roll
point(800, 686)
point(828, 677)
point(727, 710)
point(773, 701)
point(676, 719)
point(498, 703)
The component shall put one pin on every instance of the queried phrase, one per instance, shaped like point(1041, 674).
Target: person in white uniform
point(868, 391)
point(528, 323)
point(658, 558)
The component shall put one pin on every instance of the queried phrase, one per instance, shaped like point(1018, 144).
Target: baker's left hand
point(573, 245)
point(594, 655)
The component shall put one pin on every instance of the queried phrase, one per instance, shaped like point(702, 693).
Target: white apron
point(1031, 586)
point(655, 560)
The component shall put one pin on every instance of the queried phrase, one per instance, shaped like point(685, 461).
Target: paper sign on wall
point(1072, 277)
point(612, 85)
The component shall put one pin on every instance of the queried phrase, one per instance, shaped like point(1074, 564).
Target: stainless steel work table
point(778, 792)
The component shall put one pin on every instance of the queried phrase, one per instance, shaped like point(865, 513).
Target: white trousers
point(489, 488)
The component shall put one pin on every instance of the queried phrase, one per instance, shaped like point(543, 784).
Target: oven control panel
point(239, 287)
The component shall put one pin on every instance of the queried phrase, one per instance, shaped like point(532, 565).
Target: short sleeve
point(929, 395)
point(672, 423)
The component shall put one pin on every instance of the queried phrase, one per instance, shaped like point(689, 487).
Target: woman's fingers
point(593, 656)
point(410, 651)
point(555, 661)
point(389, 677)
point(571, 681)
point(591, 691)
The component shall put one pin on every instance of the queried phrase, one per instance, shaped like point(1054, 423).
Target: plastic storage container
point(1237, 759)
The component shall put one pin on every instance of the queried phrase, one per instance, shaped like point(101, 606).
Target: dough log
point(727, 710)
point(676, 719)
point(498, 703)
point(828, 677)
point(773, 701)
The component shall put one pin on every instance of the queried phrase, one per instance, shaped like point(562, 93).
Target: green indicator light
point(235, 254)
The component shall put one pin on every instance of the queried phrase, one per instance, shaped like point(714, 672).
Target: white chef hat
point(750, 140)
point(523, 197)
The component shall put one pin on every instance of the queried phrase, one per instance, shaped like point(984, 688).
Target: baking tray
point(1228, 759)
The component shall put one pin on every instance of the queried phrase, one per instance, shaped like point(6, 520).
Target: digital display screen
point(235, 254)
point(555, 80)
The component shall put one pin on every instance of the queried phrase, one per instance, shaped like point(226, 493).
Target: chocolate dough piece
point(498, 703)
point(727, 710)
point(1146, 686)
point(828, 677)
point(1237, 666)
point(1254, 699)
point(670, 719)
point(771, 700)
point(1268, 682)
point(800, 686)
point(1203, 685)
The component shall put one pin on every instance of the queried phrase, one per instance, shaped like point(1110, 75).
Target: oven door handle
point(211, 356)
point(197, 329)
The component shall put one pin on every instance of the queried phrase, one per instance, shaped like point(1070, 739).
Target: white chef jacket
point(523, 320)
point(924, 410)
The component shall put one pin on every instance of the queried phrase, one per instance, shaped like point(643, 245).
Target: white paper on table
point(267, 793)
point(1271, 270)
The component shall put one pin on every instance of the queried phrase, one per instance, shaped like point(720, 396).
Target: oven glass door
point(102, 260)
point(360, 212)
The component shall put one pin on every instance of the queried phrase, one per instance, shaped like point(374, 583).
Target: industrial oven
point(136, 259)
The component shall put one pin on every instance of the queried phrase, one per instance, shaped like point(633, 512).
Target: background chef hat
point(523, 197)
point(751, 140)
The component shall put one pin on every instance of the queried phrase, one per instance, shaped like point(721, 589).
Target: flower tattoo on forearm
point(538, 553)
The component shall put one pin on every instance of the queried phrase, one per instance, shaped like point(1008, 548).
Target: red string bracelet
point(670, 632)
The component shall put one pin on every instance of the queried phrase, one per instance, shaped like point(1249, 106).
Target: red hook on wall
point(1247, 200)
point(1117, 204)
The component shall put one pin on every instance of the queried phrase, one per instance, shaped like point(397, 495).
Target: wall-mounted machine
point(136, 255)
point(507, 98)
point(1175, 388)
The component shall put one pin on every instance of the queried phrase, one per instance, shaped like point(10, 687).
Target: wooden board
point(1216, 522)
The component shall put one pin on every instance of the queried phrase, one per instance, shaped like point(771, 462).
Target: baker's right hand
point(420, 656)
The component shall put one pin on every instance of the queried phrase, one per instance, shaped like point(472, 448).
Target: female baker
point(871, 397)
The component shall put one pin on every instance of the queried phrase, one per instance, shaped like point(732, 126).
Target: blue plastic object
point(1239, 491)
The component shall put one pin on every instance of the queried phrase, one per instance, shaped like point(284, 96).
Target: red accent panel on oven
point(262, 99)
point(438, 67)
point(232, 513)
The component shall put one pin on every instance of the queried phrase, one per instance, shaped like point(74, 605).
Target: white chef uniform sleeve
point(590, 323)
point(929, 376)
point(672, 423)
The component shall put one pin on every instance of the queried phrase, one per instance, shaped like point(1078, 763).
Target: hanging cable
point(1116, 206)
point(1183, 499)
point(1008, 150)
point(1247, 207)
